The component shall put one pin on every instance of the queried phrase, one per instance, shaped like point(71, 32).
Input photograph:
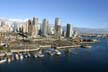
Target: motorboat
point(40, 54)
point(2, 60)
point(8, 60)
point(58, 52)
point(35, 55)
point(17, 57)
point(21, 57)
point(28, 55)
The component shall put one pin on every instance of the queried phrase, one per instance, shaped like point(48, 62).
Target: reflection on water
point(72, 59)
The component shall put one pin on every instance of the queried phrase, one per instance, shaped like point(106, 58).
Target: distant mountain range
point(90, 30)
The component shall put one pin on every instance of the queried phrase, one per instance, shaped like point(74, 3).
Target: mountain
point(10, 21)
point(13, 20)
point(89, 30)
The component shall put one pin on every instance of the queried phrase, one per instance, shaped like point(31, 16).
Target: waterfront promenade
point(36, 49)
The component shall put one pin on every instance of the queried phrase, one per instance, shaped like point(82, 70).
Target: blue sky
point(80, 13)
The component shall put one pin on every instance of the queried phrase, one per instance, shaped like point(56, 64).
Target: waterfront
point(76, 59)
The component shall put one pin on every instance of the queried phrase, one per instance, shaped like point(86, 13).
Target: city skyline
point(80, 13)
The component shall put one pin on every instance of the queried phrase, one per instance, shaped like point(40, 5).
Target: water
point(78, 59)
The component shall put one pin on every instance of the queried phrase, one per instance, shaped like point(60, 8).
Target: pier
point(24, 50)
point(72, 46)
point(17, 51)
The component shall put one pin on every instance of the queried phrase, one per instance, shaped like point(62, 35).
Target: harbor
point(50, 58)
point(19, 53)
point(53, 35)
point(20, 49)
point(22, 54)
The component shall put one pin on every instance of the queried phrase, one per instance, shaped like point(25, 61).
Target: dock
point(45, 46)
point(24, 50)
point(72, 46)
point(17, 51)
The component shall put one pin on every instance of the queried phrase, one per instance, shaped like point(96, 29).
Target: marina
point(2, 60)
point(55, 60)
point(20, 55)
point(54, 36)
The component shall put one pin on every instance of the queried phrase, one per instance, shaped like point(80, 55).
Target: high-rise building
point(35, 27)
point(52, 30)
point(44, 27)
point(15, 27)
point(39, 29)
point(63, 33)
point(26, 26)
point(21, 29)
point(57, 21)
point(75, 34)
point(32, 27)
point(48, 28)
point(2, 23)
point(69, 31)
point(29, 27)
point(57, 28)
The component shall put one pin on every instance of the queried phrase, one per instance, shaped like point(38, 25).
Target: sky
point(79, 13)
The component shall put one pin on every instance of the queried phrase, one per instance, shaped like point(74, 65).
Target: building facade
point(44, 27)
point(69, 31)
point(29, 27)
point(58, 28)
point(34, 27)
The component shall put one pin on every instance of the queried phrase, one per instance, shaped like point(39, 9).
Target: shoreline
point(87, 42)
point(31, 50)
point(72, 46)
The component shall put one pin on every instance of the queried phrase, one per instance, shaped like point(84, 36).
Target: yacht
point(51, 52)
point(28, 55)
point(17, 57)
point(40, 54)
point(2, 60)
point(35, 55)
point(8, 60)
point(21, 57)
point(58, 52)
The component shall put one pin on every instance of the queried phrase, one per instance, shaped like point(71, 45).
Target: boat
point(2, 60)
point(40, 54)
point(17, 57)
point(58, 52)
point(8, 60)
point(25, 56)
point(35, 55)
point(13, 58)
point(28, 55)
point(21, 57)
point(51, 51)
